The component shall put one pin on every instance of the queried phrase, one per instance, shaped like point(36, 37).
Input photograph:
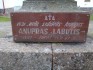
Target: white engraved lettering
point(67, 31)
point(49, 17)
point(73, 24)
point(52, 23)
point(36, 23)
point(33, 31)
point(21, 24)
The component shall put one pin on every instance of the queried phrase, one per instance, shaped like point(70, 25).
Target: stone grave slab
point(50, 26)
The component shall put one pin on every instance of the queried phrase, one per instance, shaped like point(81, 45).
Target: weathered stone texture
point(73, 61)
point(50, 5)
point(25, 61)
point(73, 56)
point(24, 56)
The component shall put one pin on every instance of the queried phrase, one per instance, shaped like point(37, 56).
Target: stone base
point(24, 56)
point(78, 56)
point(45, 56)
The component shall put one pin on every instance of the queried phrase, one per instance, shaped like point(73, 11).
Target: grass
point(91, 17)
point(4, 19)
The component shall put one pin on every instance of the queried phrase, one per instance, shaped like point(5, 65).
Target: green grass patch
point(91, 17)
point(4, 19)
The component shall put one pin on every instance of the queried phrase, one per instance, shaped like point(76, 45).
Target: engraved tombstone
point(50, 21)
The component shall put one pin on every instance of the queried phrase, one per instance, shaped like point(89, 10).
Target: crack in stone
point(52, 57)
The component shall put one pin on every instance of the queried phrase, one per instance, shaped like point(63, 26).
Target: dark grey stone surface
point(73, 56)
point(24, 56)
point(25, 61)
point(73, 61)
point(50, 6)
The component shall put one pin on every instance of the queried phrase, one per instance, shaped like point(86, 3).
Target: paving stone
point(90, 30)
point(5, 29)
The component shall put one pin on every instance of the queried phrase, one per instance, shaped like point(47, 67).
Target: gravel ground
point(90, 30)
point(5, 29)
